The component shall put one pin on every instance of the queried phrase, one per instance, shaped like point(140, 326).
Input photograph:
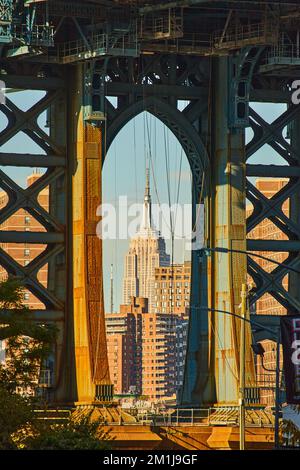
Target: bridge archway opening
point(145, 141)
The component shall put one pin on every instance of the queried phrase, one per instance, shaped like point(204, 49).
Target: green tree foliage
point(82, 434)
point(15, 412)
point(26, 345)
point(27, 342)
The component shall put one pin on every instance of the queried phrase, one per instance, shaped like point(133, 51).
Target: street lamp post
point(277, 393)
point(242, 367)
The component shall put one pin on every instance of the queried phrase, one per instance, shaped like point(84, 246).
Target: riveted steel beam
point(273, 245)
point(40, 316)
point(273, 171)
point(181, 93)
point(10, 236)
point(90, 335)
point(33, 161)
point(21, 82)
point(268, 323)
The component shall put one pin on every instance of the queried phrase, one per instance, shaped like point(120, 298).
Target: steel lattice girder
point(271, 208)
point(18, 198)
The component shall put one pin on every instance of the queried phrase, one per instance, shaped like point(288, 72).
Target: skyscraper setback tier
point(147, 251)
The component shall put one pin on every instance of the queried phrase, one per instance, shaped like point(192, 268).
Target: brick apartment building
point(145, 350)
point(267, 305)
point(172, 288)
point(124, 345)
point(21, 252)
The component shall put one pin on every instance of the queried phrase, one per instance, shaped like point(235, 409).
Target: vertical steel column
point(91, 363)
point(227, 271)
point(58, 268)
point(198, 384)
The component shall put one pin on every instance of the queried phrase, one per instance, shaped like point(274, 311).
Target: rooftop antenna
point(111, 288)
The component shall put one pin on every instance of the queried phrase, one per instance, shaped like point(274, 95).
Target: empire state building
point(147, 251)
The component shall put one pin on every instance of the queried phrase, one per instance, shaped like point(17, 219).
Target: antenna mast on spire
point(111, 288)
point(147, 187)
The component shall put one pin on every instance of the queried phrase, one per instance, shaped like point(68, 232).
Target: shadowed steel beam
point(231, 4)
point(270, 96)
point(30, 237)
point(180, 92)
point(41, 161)
point(273, 245)
point(22, 82)
point(176, 4)
point(47, 316)
point(270, 322)
point(273, 171)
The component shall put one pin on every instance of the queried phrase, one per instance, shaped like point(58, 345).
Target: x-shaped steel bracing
point(272, 209)
point(52, 157)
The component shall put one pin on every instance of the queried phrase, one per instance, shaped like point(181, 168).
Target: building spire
point(147, 217)
point(147, 187)
point(111, 288)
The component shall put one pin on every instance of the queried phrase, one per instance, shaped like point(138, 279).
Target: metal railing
point(39, 35)
point(96, 45)
point(218, 416)
point(167, 27)
point(262, 32)
point(283, 53)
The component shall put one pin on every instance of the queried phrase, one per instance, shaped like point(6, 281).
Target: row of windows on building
point(171, 297)
point(171, 304)
point(164, 285)
point(171, 292)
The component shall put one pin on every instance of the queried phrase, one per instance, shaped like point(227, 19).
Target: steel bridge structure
point(219, 57)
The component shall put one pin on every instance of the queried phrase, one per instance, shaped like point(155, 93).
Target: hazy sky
point(124, 171)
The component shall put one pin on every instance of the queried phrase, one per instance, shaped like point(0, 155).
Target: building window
point(27, 220)
point(26, 252)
